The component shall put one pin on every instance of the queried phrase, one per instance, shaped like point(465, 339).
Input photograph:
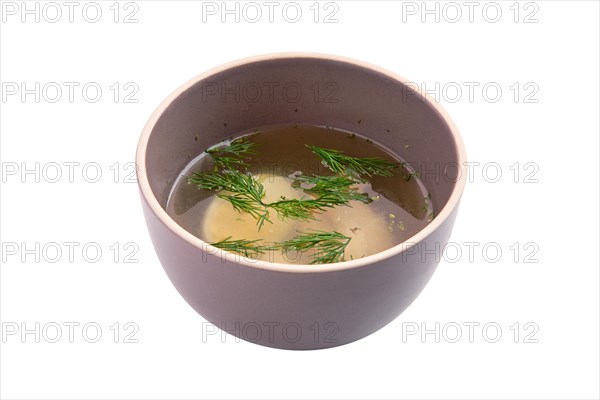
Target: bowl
point(299, 306)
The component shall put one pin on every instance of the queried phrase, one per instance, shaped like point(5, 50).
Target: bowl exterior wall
point(295, 310)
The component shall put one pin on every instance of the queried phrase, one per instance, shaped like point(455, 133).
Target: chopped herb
point(430, 216)
point(410, 176)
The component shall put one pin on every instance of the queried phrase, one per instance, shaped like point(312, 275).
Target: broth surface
point(400, 204)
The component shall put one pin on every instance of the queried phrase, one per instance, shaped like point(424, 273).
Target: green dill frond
point(247, 248)
point(300, 209)
point(232, 156)
point(243, 204)
point(355, 167)
point(339, 186)
point(231, 181)
point(246, 192)
point(329, 246)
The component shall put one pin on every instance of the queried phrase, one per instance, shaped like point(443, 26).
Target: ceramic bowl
point(299, 306)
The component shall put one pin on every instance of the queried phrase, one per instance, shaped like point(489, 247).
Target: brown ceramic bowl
point(299, 306)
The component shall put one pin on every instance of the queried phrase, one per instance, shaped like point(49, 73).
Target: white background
point(551, 211)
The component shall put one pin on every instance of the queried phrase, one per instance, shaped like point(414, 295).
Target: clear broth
point(400, 208)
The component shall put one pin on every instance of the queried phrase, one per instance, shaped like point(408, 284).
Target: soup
point(300, 195)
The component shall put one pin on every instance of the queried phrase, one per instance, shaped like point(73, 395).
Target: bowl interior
point(303, 90)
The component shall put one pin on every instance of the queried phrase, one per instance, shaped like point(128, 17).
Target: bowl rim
point(161, 214)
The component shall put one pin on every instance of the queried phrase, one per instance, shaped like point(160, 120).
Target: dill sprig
point(232, 181)
point(330, 191)
point(246, 194)
point(329, 246)
point(243, 204)
point(300, 209)
point(247, 248)
point(354, 167)
point(230, 157)
point(339, 186)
